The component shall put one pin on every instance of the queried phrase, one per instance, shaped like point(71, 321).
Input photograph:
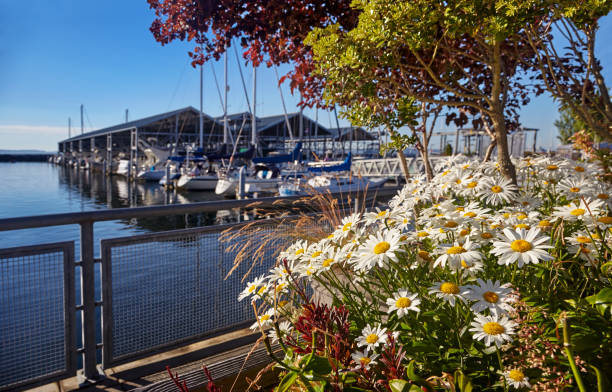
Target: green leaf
point(463, 382)
point(398, 385)
point(287, 382)
point(318, 365)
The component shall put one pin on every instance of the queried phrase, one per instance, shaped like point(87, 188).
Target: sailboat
point(324, 181)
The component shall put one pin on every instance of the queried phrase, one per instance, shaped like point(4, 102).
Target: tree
point(272, 31)
point(465, 55)
point(568, 67)
point(567, 125)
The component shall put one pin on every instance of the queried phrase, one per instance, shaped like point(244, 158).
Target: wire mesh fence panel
point(36, 314)
point(165, 289)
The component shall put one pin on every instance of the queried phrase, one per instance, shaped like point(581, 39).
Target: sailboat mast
point(201, 107)
point(225, 128)
point(82, 128)
point(69, 126)
point(253, 118)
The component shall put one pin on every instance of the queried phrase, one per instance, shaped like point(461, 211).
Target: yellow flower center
point(372, 338)
point(552, 167)
point(496, 189)
point(299, 252)
point(331, 236)
point(422, 234)
point(459, 209)
point(347, 226)
point(490, 297)
point(469, 214)
point(451, 224)
point(283, 303)
point(493, 328)
point(579, 169)
point(606, 220)
point(464, 232)
point(455, 250)
point(365, 361)
point(465, 265)
point(252, 288)
point(520, 246)
point(574, 189)
point(522, 226)
point(577, 212)
point(521, 216)
point(327, 262)
point(516, 375)
point(381, 247)
point(403, 237)
point(265, 317)
point(261, 290)
point(603, 196)
point(581, 239)
point(316, 254)
point(280, 287)
point(424, 255)
point(449, 288)
point(403, 302)
point(472, 184)
point(486, 235)
point(506, 215)
point(382, 213)
point(544, 223)
point(458, 181)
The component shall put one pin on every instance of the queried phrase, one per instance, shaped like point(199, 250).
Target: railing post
point(88, 301)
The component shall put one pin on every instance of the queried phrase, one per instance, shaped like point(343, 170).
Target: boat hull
point(151, 175)
point(199, 183)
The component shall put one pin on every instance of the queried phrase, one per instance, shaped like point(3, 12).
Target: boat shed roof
point(138, 123)
point(343, 133)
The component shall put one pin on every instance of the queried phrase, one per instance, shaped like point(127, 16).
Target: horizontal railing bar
point(71, 218)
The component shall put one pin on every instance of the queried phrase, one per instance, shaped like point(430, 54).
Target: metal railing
point(158, 290)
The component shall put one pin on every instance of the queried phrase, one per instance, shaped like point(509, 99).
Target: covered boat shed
point(165, 131)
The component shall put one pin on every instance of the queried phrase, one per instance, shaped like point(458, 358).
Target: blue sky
point(55, 55)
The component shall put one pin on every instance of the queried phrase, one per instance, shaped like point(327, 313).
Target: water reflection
point(119, 192)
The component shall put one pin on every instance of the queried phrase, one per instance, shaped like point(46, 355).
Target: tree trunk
point(424, 151)
point(503, 155)
point(402, 158)
point(490, 150)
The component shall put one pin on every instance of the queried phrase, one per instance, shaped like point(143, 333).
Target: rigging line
point(91, 128)
point(178, 83)
point(280, 90)
point(246, 95)
point(237, 140)
point(218, 88)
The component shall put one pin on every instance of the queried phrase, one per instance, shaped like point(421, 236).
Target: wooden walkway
point(226, 356)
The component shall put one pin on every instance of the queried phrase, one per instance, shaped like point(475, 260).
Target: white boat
point(190, 181)
point(123, 169)
point(262, 181)
point(151, 174)
point(326, 183)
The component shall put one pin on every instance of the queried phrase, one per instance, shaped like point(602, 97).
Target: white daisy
point(364, 359)
point(448, 291)
point(516, 378)
point(492, 329)
point(524, 247)
point(492, 296)
point(284, 327)
point(251, 288)
point(378, 249)
point(580, 211)
point(453, 255)
point(498, 191)
point(402, 302)
point(372, 337)
point(347, 225)
point(265, 320)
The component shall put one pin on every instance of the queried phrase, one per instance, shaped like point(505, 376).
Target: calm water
point(162, 291)
point(43, 188)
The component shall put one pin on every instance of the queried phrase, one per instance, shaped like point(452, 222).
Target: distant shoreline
point(41, 157)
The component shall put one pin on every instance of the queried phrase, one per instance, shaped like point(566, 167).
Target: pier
point(76, 319)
